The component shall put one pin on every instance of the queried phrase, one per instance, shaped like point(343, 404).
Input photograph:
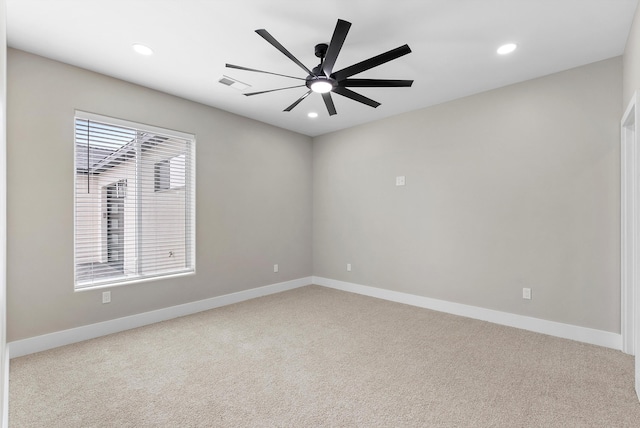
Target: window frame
point(190, 208)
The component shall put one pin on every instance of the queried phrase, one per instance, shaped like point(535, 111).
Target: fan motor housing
point(312, 80)
point(317, 77)
point(318, 80)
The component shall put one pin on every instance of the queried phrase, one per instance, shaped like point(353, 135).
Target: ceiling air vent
point(236, 84)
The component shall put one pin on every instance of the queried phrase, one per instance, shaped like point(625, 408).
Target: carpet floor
point(317, 357)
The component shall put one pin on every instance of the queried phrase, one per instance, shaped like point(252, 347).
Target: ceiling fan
point(323, 80)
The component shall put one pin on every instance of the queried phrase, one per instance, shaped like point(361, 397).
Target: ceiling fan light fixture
point(323, 80)
point(321, 86)
point(312, 115)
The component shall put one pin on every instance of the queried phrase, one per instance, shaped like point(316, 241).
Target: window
point(134, 202)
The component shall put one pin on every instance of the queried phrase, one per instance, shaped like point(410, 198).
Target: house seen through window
point(134, 202)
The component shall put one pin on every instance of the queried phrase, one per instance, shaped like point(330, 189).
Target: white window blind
point(134, 202)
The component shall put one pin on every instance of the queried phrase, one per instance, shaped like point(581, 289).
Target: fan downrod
point(317, 81)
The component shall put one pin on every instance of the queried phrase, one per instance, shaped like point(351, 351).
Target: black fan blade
point(355, 96)
point(261, 71)
point(337, 40)
point(329, 103)
point(248, 94)
point(297, 101)
point(375, 83)
point(371, 62)
point(269, 38)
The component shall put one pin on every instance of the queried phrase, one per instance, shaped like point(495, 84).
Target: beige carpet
point(315, 357)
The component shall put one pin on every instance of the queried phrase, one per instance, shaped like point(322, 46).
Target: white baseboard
point(31, 345)
point(552, 328)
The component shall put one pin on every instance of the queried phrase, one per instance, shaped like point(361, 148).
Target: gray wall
point(631, 67)
point(253, 201)
point(516, 187)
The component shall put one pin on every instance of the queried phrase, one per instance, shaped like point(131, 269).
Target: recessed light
point(507, 49)
point(142, 49)
point(312, 115)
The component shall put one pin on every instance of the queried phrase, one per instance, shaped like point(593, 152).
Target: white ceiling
point(454, 46)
